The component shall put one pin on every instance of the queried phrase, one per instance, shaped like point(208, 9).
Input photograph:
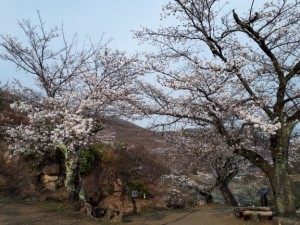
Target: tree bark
point(280, 180)
point(226, 171)
point(228, 197)
point(133, 201)
point(281, 187)
point(72, 180)
point(206, 193)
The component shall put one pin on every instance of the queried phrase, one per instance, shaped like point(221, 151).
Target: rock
point(47, 178)
point(51, 186)
point(50, 182)
point(51, 169)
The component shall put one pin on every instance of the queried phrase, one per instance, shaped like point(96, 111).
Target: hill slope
point(132, 134)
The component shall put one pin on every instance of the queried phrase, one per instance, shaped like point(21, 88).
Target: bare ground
point(205, 215)
point(19, 212)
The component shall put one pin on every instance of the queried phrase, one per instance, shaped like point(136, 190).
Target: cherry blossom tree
point(219, 65)
point(76, 88)
point(205, 151)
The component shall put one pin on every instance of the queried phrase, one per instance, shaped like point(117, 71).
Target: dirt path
point(18, 212)
point(206, 215)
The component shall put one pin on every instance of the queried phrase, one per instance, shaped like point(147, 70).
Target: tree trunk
point(226, 170)
point(72, 181)
point(206, 193)
point(133, 201)
point(228, 197)
point(279, 179)
point(281, 187)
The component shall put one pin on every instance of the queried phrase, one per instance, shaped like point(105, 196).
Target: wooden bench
point(257, 215)
point(254, 213)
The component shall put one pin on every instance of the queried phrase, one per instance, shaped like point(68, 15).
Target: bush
point(139, 186)
point(89, 157)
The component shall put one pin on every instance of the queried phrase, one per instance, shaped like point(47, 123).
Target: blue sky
point(114, 18)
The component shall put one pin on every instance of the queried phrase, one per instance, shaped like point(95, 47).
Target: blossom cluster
point(48, 127)
point(259, 122)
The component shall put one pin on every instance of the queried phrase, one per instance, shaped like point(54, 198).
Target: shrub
point(139, 186)
point(89, 157)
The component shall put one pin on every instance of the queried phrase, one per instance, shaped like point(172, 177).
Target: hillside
point(132, 134)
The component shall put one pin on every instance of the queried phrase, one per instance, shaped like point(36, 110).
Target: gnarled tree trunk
point(226, 170)
point(72, 181)
point(228, 197)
